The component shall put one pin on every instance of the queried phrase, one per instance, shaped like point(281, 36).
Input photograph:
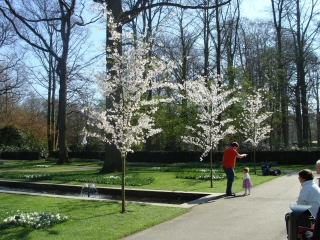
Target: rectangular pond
point(136, 195)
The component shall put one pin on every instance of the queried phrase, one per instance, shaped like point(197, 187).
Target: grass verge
point(88, 219)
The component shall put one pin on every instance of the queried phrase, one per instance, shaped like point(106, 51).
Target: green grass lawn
point(88, 219)
point(101, 219)
point(164, 176)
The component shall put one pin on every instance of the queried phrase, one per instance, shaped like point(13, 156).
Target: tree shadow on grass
point(17, 233)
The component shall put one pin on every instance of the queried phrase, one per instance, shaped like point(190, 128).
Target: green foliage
point(14, 140)
point(11, 136)
point(173, 119)
point(33, 143)
point(93, 145)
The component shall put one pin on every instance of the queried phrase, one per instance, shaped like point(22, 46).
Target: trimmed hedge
point(280, 157)
point(82, 155)
point(20, 155)
point(165, 157)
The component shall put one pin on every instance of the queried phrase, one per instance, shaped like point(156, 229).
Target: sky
point(250, 8)
point(256, 8)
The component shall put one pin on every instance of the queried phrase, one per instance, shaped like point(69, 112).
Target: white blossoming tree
point(129, 121)
point(212, 100)
point(254, 125)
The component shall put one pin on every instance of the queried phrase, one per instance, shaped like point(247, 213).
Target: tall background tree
point(28, 23)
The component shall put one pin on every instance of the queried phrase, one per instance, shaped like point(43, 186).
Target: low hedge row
point(280, 157)
point(82, 155)
point(20, 155)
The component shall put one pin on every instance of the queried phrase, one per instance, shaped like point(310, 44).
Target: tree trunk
point(62, 121)
point(51, 131)
point(147, 19)
point(112, 161)
point(298, 116)
point(123, 177)
point(218, 58)
point(283, 85)
point(211, 175)
point(304, 106)
point(54, 131)
point(318, 110)
point(254, 160)
point(49, 106)
point(301, 83)
point(318, 127)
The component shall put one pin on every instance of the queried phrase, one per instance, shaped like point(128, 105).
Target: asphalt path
point(254, 217)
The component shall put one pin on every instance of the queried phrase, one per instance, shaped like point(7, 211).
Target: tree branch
point(141, 5)
point(128, 16)
point(25, 22)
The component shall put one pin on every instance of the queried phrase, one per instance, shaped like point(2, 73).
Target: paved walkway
point(259, 216)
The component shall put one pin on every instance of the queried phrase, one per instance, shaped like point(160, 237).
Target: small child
point(246, 181)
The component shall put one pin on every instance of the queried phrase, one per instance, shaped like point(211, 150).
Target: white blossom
point(212, 101)
point(129, 119)
point(254, 125)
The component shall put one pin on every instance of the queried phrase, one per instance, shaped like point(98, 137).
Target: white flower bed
point(34, 220)
point(41, 166)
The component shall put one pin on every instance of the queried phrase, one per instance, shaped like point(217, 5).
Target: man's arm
point(241, 155)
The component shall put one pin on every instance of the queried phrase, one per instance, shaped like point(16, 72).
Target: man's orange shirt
point(229, 158)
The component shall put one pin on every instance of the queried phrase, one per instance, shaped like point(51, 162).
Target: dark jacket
point(315, 235)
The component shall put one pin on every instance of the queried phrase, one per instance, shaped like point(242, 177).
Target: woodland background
point(278, 52)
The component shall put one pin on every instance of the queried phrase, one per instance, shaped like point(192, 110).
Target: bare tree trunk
point(317, 109)
point(318, 124)
point(148, 26)
point(232, 43)
point(218, 57)
point(301, 77)
point(283, 84)
point(49, 106)
point(211, 175)
point(254, 160)
point(112, 161)
point(304, 30)
point(123, 176)
point(298, 115)
point(206, 34)
point(304, 106)
point(62, 139)
point(54, 131)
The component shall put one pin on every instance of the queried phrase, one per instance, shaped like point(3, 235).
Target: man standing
point(228, 163)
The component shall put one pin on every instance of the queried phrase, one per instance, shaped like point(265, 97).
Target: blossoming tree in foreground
point(129, 121)
point(212, 100)
point(254, 125)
